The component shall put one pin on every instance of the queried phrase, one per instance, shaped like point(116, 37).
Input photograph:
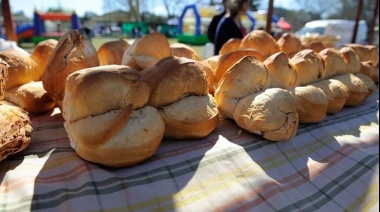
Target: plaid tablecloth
point(330, 166)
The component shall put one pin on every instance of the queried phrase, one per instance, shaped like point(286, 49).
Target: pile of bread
point(120, 101)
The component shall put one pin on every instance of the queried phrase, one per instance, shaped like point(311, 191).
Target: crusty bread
point(15, 129)
point(351, 58)
point(336, 93)
point(210, 75)
point(227, 60)
point(334, 62)
point(368, 69)
point(147, 51)
point(72, 53)
point(192, 117)
point(31, 97)
point(22, 68)
point(271, 113)
point(312, 104)
point(3, 76)
point(316, 46)
point(366, 52)
point(230, 46)
point(41, 54)
point(106, 117)
point(309, 67)
point(282, 74)
point(183, 50)
point(245, 77)
point(357, 89)
point(260, 41)
point(368, 82)
point(111, 52)
point(290, 44)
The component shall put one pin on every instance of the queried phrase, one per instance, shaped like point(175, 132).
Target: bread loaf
point(270, 113)
point(3, 76)
point(282, 74)
point(316, 46)
point(366, 52)
point(22, 68)
point(106, 116)
point(368, 69)
point(147, 51)
point(290, 44)
point(357, 89)
point(245, 77)
point(309, 67)
point(210, 76)
point(42, 53)
point(368, 82)
point(261, 41)
point(334, 62)
point(111, 52)
point(183, 50)
point(351, 59)
point(72, 53)
point(31, 97)
point(230, 46)
point(15, 129)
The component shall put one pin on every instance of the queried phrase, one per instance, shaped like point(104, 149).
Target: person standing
point(230, 26)
point(214, 22)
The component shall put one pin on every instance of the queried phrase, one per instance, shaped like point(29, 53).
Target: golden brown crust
point(352, 59)
point(366, 52)
point(290, 44)
point(3, 76)
point(334, 62)
point(368, 69)
point(15, 129)
point(41, 54)
point(357, 89)
point(316, 46)
point(309, 67)
point(183, 50)
point(282, 74)
point(111, 52)
point(260, 41)
point(368, 82)
point(231, 45)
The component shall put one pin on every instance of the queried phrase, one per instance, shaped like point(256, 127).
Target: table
point(329, 166)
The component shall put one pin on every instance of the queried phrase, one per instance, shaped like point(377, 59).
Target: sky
point(96, 6)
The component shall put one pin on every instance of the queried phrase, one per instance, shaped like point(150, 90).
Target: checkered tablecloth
point(330, 166)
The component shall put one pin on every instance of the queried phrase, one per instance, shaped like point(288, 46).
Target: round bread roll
point(351, 58)
point(282, 74)
point(336, 92)
point(15, 129)
point(192, 117)
point(227, 60)
point(312, 104)
point(31, 97)
point(147, 51)
point(357, 89)
point(260, 41)
point(22, 68)
point(106, 116)
point(271, 113)
point(309, 67)
point(371, 86)
point(41, 54)
point(366, 52)
point(230, 46)
point(3, 77)
point(72, 53)
point(183, 50)
point(245, 77)
point(316, 46)
point(290, 44)
point(368, 69)
point(334, 62)
point(111, 52)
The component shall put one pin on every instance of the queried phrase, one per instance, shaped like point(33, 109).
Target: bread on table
point(270, 113)
point(72, 53)
point(111, 52)
point(282, 74)
point(227, 60)
point(358, 91)
point(106, 116)
point(147, 51)
point(309, 66)
point(366, 52)
point(316, 46)
point(369, 83)
point(336, 93)
point(41, 54)
point(334, 62)
point(312, 104)
point(179, 90)
point(260, 41)
point(30, 96)
point(290, 44)
point(3, 76)
point(230, 46)
point(22, 68)
point(368, 69)
point(351, 59)
point(15, 129)
point(183, 50)
point(245, 77)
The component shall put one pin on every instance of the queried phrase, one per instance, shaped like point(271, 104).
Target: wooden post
point(10, 31)
point(269, 17)
point(358, 14)
point(373, 23)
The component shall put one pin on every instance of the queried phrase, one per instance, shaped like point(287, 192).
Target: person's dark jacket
point(226, 30)
point(213, 25)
